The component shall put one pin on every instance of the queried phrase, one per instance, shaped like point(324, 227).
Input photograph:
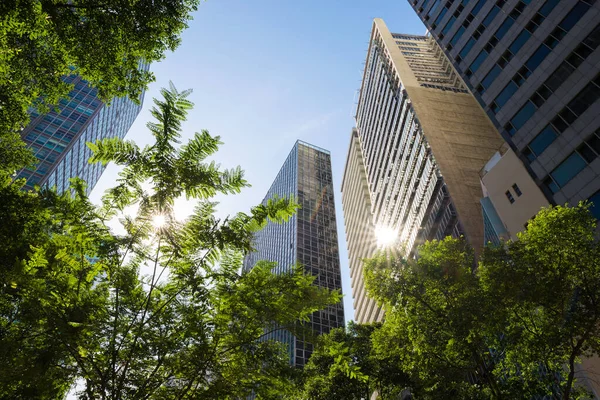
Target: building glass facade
point(58, 138)
point(309, 238)
point(534, 66)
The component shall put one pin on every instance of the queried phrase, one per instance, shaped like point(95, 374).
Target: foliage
point(345, 366)
point(153, 312)
point(515, 326)
point(103, 41)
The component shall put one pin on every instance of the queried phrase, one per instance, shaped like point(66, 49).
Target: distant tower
point(413, 165)
point(309, 238)
point(58, 138)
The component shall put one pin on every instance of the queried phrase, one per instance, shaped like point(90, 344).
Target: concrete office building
point(360, 229)
point(534, 67)
point(308, 238)
point(423, 139)
point(58, 138)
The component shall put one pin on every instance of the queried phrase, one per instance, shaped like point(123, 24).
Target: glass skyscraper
point(309, 238)
point(534, 67)
point(58, 138)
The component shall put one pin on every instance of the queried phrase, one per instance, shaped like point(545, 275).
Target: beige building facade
point(511, 196)
point(413, 165)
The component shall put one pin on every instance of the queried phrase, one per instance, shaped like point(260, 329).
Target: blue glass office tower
point(309, 238)
point(58, 138)
point(534, 67)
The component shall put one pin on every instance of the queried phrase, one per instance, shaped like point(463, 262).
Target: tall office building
point(360, 230)
point(420, 141)
point(58, 138)
point(534, 67)
point(309, 238)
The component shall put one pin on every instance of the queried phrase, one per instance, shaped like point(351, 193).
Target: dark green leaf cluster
point(346, 366)
point(152, 312)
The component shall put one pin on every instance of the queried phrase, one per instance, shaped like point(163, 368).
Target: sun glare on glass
point(385, 236)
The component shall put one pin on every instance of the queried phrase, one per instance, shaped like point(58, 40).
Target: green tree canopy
point(155, 312)
point(513, 325)
point(345, 366)
point(103, 41)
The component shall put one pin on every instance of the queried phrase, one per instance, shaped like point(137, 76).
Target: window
point(490, 16)
point(477, 7)
point(595, 204)
point(457, 35)
point(568, 169)
point(491, 76)
point(547, 8)
point(433, 7)
point(522, 116)
point(542, 141)
point(517, 190)
point(509, 196)
point(508, 22)
point(478, 60)
point(516, 45)
point(449, 25)
point(439, 17)
point(537, 57)
point(559, 75)
point(505, 95)
point(584, 99)
point(465, 50)
point(574, 16)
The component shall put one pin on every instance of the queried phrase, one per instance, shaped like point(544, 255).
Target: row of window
point(516, 45)
point(461, 30)
point(539, 54)
point(577, 106)
point(480, 29)
point(587, 152)
point(452, 19)
point(554, 81)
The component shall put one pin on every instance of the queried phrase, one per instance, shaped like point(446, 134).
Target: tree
point(345, 366)
point(547, 282)
point(503, 328)
point(103, 41)
point(160, 311)
point(435, 319)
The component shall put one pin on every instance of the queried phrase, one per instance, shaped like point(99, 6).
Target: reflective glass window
point(491, 76)
point(506, 94)
point(508, 22)
point(465, 50)
point(449, 25)
point(491, 15)
point(457, 35)
point(543, 140)
point(574, 15)
point(523, 115)
point(519, 41)
point(478, 60)
point(568, 169)
point(595, 206)
point(536, 58)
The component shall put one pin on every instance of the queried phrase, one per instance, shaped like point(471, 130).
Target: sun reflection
point(386, 236)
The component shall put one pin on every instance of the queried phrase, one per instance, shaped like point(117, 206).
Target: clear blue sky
point(266, 73)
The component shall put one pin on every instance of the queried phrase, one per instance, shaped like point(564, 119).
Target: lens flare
point(159, 221)
point(386, 236)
